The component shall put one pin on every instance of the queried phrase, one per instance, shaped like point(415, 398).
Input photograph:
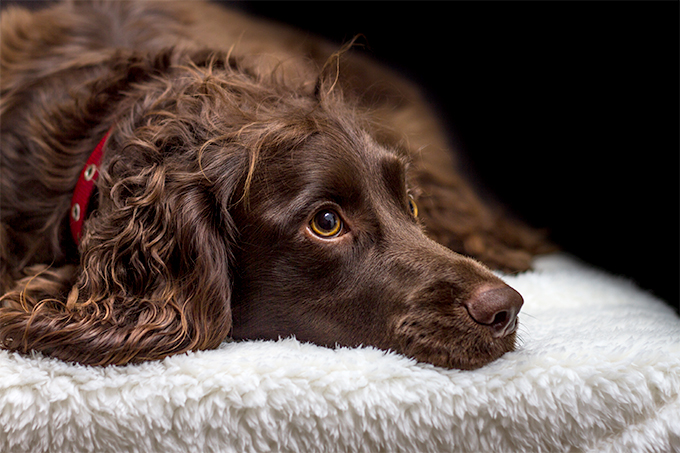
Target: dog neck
point(84, 188)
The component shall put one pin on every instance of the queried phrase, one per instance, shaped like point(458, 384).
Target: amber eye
point(326, 223)
point(412, 206)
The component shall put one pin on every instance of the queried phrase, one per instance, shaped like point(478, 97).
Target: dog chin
point(462, 355)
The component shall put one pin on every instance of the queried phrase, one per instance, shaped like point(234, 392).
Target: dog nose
point(496, 308)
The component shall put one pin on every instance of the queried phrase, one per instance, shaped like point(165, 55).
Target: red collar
point(84, 188)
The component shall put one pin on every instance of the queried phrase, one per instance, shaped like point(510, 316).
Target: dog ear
point(155, 268)
point(155, 274)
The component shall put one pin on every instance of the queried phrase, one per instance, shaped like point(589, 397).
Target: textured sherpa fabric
point(598, 369)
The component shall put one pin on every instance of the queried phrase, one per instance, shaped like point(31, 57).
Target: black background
point(566, 111)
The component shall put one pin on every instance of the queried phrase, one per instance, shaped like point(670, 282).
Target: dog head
point(331, 250)
point(236, 202)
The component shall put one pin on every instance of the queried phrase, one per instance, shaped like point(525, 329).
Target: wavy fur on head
point(197, 140)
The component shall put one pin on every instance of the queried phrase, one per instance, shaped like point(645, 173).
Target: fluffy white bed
point(598, 369)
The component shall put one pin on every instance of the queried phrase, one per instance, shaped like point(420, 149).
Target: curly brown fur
point(219, 156)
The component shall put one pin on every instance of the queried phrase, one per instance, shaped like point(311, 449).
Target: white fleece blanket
point(598, 369)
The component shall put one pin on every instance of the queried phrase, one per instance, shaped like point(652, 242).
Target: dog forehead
point(349, 169)
point(351, 163)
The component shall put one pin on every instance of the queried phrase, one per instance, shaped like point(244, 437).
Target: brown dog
point(246, 181)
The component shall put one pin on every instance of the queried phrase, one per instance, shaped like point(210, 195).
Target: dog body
point(254, 184)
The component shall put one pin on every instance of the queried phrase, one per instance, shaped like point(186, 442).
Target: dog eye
point(412, 206)
point(326, 223)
